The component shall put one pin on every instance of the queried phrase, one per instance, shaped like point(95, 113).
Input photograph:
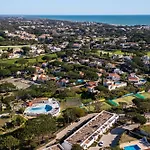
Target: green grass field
point(15, 46)
point(127, 100)
point(105, 106)
point(30, 60)
point(148, 54)
point(70, 102)
point(118, 52)
point(146, 94)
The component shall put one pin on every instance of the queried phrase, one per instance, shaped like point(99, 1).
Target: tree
point(4, 55)
point(71, 114)
point(26, 50)
point(97, 106)
point(47, 58)
point(138, 118)
point(4, 73)
point(90, 75)
point(76, 147)
point(18, 120)
point(65, 93)
point(9, 142)
point(7, 87)
point(1, 39)
point(22, 61)
point(123, 104)
point(30, 70)
point(40, 126)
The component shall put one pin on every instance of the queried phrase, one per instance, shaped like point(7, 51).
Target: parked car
point(100, 144)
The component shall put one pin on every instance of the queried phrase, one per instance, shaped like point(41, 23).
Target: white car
point(100, 144)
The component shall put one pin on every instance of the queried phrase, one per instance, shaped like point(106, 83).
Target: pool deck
point(137, 142)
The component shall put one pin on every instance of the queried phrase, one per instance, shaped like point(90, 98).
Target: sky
point(74, 7)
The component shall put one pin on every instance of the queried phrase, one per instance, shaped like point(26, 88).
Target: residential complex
point(90, 132)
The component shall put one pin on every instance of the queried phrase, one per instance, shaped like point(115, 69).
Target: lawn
point(127, 99)
point(71, 102)
point(90, 108)
point(126, 138)
point(146, 128)
point(146, 94)
point(30, 60)
point(104, 52)
point(148, 53)
point(8, 61)
point(118, 52)
point(105, 106)
point(13, 46)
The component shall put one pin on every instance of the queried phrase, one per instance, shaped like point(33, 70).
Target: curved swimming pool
point(39, 109)
point(46, 107)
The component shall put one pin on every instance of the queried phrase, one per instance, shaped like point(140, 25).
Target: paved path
point(62, 133)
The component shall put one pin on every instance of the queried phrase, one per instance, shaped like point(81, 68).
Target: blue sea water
point(109, 19)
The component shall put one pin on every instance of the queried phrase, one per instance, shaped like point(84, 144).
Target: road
point(62, 133)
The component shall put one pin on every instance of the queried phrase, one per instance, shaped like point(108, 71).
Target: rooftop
point(89, 128)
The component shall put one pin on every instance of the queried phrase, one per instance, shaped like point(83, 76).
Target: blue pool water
point(40, 109)
point(133, 147)
point(36, 108)
point(48, 108)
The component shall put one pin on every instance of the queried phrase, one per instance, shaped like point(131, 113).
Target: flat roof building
point(90, 132)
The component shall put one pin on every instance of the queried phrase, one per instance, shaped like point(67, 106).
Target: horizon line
point(74, 14)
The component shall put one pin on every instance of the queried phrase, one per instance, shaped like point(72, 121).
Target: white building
point(112, 85)
point(90, 132)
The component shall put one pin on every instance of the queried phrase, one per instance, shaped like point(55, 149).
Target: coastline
point(129, 20)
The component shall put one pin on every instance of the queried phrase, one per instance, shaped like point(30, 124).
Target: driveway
point(111, 139)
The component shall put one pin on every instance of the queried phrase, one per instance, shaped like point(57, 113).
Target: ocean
point(109, 19)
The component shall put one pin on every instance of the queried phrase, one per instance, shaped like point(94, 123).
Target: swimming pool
point(39, 109)
point(50, 106)
point(132, 147)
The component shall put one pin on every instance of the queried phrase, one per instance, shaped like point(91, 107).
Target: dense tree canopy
point(7, 87)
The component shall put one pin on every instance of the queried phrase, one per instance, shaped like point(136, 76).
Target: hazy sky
point(69, 7)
